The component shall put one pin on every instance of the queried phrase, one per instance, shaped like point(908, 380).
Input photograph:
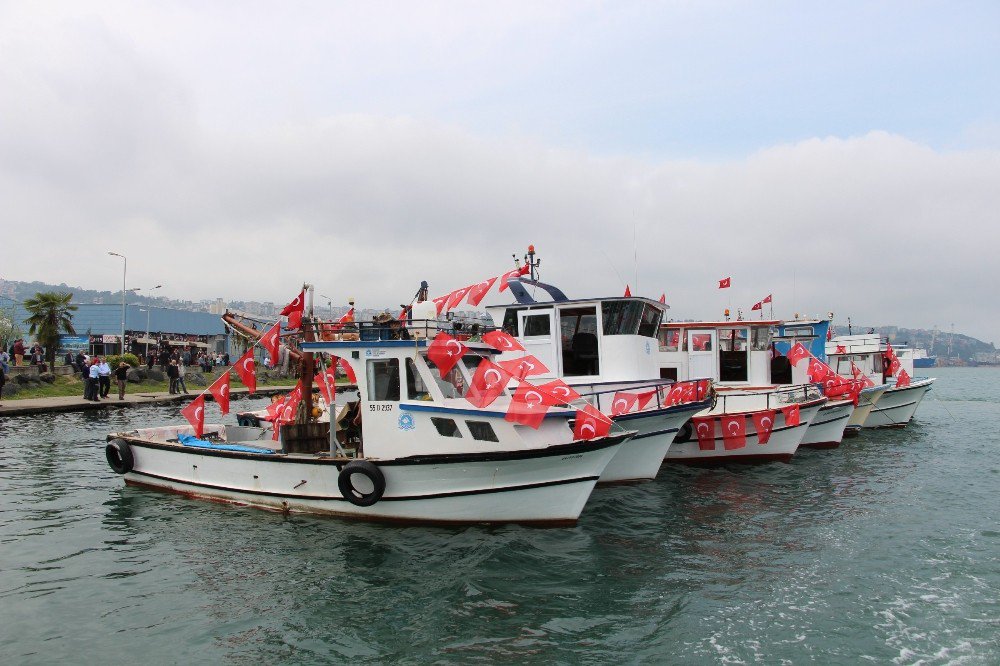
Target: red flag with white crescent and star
point(623, 403)
point(903, 380)
point(294, 310)
point(557, 392)
point(440, 302)
point(269, 341)
point(797, 353)
point(527, 407)
point(763, 423)
point(767, 299)
point(327, 382)
point(724, 283)
point(644, 398)
point(502, 341)
point(590, 423)
point(628, 292)
point(348, 370)
point(246, 368)
point(866, 381)
point(478, 291)
point(517, 272)
point(487, 384)
point(759, 305)
point(445, 351)
point(194, 412)
point(704, 429)
point(220, 391)
point(792, 415)
point(346, 319)
point(734, 431)
point(818, 370)
point(526, 366)
point(457, 296)
point(663, 298)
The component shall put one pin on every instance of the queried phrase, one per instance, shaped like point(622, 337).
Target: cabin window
point(733, 356)
point(670, 339)
point(510, 322)
point(383, 380)
point(482, 431)
point(799, 331)
point(578, 340)
point(416, 389)
point(650, 321)
point(760, 338)
point(537, 325)
point(446, 427)
point(621, 317)
point(668, 373)
point(452, 385)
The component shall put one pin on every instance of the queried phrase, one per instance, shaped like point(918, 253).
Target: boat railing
point(775, 398)
point(398, 329)
point(604, 399)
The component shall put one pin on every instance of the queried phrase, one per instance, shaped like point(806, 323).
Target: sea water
point(886, 550)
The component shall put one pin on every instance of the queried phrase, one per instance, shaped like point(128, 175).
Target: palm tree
point(51, 313)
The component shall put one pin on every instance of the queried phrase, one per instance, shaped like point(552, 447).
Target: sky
point(843, 158)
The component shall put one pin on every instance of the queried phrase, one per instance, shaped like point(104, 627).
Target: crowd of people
point(18, 352)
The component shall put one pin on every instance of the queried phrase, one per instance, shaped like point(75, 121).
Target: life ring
point(119, 455)
point(368, 470)
point(684, 434)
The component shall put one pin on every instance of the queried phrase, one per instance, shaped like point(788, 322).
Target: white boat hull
point(827, 429)
point(897, 405)
point(549, 485)
point(640, 458)
point(781, 445)
point(866, 402)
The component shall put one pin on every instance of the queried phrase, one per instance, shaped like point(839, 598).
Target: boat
point(605, 349)
point(419, 455)
point(897, 405)
point(917, 356)
point(742, 359)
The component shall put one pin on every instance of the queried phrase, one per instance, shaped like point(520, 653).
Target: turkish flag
point(526, 366)
point(903, 380)
point(348, 370)
point(195, 414)
point(703, 386)
point(791, 414)
point(346, 319)
point(557, 392)
point(270, 340)
point(763, 423)
point(818, 370)
point(734, 431)
point(517, 272)
point(797, 353)
point(676, 395)
point(663, 298)
point(724, 283)
point(704, 428)
point(445, 351)
point(220, 391)
point(628, 292)
point(623, 403)
point(457, 296)
point(527, 407)
point(440, 302)
point(246, 368)
point(757, 306)
point(865, 380)
point(287, 408)
point(327, 382)
point(295, 309)
point(502, 341)
point(478, 291)
point(487, 384)
point(645, 397)
point(841, 349)
point(767, 300)
point(590, 423)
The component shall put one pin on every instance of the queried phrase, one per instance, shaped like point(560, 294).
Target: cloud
point(103, 147)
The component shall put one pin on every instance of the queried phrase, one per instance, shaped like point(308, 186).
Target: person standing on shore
point(3, 378)
point(93, 378)
point(181, 370)
point(81, 363)
point(104, 378)
point(150, 359)
point(121, 375)
point(173, 372)
point(4, 360)
point(19, 352)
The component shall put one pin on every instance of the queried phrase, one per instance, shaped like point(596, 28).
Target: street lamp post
point(124, 270)
point(148, 308)
point(329, 304)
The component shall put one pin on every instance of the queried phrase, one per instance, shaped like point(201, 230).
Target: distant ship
point(919, 357)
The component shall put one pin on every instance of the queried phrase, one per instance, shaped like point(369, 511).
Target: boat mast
point(307, 362)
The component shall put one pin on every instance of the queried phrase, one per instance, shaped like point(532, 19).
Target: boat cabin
point(590, 340)
point(867, 352)
point(730, 352)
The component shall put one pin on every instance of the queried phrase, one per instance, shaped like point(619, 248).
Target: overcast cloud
point(844, 162)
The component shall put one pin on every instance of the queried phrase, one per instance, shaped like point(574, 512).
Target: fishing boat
point(421, 452)
point(897, 405)
point(606, 350)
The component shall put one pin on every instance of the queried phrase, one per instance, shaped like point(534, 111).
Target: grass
point(73, 386)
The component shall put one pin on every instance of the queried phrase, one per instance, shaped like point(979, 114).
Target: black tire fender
point(119, 455)
point(685, 433)
point(366, 469)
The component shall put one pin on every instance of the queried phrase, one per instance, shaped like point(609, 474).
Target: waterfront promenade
point(27, 406)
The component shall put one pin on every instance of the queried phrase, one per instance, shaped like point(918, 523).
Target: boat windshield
point(630, 317)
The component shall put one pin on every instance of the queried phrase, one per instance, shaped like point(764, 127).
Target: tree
point(51, 313)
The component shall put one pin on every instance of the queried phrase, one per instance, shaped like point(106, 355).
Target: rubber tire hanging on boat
point(119, 455)
point(685, 433)
point(367, 469)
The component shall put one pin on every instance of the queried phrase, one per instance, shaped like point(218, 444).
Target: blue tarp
point(191, 440)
